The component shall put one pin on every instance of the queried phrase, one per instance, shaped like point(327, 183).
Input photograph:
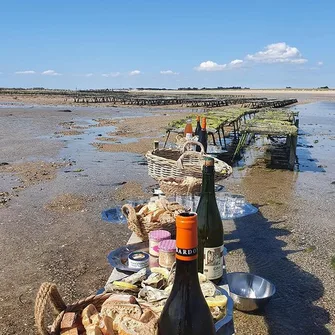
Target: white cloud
point(320, 63)
point(272, 53)
point(169, 72)
point(25, 72)
point(88, 74)
point(212, 66)
point(112, 74)
point(278, 53)
point(235, 63)
point(134, 73)
point(51, 73)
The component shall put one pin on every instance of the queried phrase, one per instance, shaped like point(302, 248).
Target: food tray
point(220, 326)
point(118, 258)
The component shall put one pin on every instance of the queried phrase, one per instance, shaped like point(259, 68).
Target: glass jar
point(167, 253)
point(155, 237)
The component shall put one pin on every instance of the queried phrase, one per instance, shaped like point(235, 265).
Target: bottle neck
point(208, 180)
point(186, 272)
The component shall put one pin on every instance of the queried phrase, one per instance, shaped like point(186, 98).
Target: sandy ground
point(57, 183)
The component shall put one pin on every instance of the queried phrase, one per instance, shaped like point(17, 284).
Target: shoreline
point(303, 96)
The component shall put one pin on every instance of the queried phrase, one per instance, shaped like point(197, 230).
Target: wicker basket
point(168, 163)
point(180, 186)
point(48, 293)
point(143, 228)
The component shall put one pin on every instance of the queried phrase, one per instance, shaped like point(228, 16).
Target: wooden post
point(224, 139)
point(292, 143)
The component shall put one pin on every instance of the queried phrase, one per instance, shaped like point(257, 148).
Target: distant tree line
point(212, 88)
point(191, 88)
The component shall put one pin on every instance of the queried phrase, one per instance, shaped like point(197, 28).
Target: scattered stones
point(4, 198)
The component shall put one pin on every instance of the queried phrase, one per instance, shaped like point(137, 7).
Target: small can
point(138, 260)
point(155, 237)
point(167, 253)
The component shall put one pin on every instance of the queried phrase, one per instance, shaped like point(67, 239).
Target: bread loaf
point(112, 307)
point(131, 326)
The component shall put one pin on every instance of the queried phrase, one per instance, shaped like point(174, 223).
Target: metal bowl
point(249, 292)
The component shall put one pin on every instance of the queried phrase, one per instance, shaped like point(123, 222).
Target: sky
point(127, 44)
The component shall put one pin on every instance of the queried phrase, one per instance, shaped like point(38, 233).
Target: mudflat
point(59, 170)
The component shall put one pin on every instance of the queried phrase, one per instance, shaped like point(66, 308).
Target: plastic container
point(155, 237)
point(167, 253)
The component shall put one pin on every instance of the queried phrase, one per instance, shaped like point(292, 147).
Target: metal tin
point(138, 260)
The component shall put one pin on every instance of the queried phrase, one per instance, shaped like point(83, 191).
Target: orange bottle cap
point(198, 117)
point(186, 237)
point(203, 123)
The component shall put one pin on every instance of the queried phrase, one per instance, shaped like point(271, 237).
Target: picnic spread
point(139, 288)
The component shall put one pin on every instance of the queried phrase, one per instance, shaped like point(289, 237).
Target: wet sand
point(58, 184)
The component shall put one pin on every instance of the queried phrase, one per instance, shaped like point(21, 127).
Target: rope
point(47, 292)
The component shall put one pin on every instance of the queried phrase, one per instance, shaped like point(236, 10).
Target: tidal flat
point(59, 172)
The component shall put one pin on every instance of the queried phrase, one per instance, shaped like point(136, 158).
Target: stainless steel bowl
point(249, 292)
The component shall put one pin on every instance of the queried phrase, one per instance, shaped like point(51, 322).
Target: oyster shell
point(155, 280)
point(168, 289)
point(208, 289)
point(136, 277)
point(172, 274)
point(151, 294)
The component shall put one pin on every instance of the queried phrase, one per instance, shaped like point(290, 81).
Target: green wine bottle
point(186, 311)
point(210, 229)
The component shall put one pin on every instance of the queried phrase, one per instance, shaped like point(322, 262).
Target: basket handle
point(133, 223)
point(184, 148)
point(179, 162)
point(47, 292)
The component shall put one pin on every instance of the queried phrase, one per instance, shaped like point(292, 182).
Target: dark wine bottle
point(186, 311)
point(210, 229)
point(203, 135)
point(198, 127)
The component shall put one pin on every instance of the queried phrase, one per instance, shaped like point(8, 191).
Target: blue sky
point(114, 44)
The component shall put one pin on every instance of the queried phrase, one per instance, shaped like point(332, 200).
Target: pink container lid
point(159, 235)
point(167, 245)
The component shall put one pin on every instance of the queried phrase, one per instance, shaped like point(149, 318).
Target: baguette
point(93, 330)
point(87, 314)
point(106, 325)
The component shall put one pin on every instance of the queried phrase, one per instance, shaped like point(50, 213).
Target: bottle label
point(213, 262)
point(187, 252)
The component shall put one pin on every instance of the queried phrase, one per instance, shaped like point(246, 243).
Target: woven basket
point(168, 163)
point(180, 186)
point(143, 228)
point(48, 293)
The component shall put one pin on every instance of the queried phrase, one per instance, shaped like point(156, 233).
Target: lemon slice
point(217, 301)
point(123, 285)
point(202, 277)
point(164, 272)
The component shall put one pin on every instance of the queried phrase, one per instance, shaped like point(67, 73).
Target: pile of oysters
point(152, 288)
